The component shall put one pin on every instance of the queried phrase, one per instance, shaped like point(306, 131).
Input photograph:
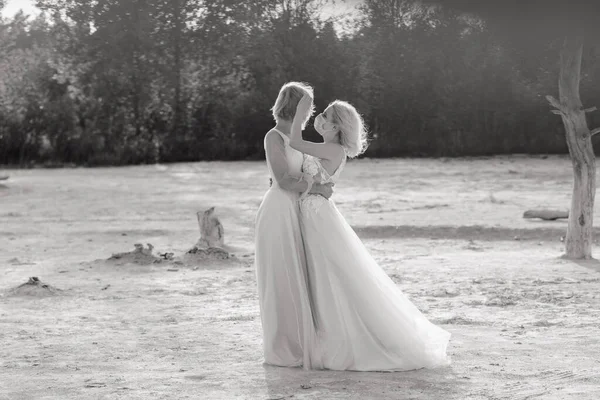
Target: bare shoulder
point(273, 140)
point(273, 137)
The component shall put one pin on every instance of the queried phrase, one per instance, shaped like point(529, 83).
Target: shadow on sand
point(284, 383)
point(592, 264)
point(475, 232)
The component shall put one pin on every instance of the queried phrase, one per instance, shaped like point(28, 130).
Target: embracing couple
point(324, 301)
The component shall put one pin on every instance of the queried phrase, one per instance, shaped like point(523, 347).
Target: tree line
point(110, 82)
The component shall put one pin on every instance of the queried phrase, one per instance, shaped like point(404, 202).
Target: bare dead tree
point(533, 21)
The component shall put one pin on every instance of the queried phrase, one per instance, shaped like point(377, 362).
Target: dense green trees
point(111, 82)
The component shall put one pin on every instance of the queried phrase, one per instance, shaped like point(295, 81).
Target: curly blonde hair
point(353, 131)
point(289, 96)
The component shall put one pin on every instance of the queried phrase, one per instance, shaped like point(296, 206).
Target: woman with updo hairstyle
point(280, 261)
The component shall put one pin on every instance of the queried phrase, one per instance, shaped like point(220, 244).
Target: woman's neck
point(333, 139)
point(284, 127)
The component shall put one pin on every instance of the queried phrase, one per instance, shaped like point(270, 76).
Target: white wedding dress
point(362, 320)
point(280, 261)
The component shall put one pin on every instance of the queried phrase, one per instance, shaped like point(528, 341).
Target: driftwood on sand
point(140, 255)
point(548, 215)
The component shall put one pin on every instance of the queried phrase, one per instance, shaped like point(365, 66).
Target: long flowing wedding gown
point(363, 320)
point(280, 260)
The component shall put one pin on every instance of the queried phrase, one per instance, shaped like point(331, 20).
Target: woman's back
point(279, 260)
point(294, 157)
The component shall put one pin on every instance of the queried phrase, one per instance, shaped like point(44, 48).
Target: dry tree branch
point(560, 109)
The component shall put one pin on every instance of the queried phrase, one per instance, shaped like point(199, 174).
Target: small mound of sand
point(501, 301)
point(140, 255)
point(211, 257)
point(34, 287)
point(213, 253)
point(545, 323)
point(458, 320)
point(445, 292)
point(16, 261)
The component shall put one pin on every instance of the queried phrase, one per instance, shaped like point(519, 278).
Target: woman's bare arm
point(323, 151)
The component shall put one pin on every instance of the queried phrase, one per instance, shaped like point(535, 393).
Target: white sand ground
point(525, 323)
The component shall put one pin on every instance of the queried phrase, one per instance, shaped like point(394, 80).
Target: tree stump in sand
point(212, 233)
point(212, 237)
point(548, 215)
